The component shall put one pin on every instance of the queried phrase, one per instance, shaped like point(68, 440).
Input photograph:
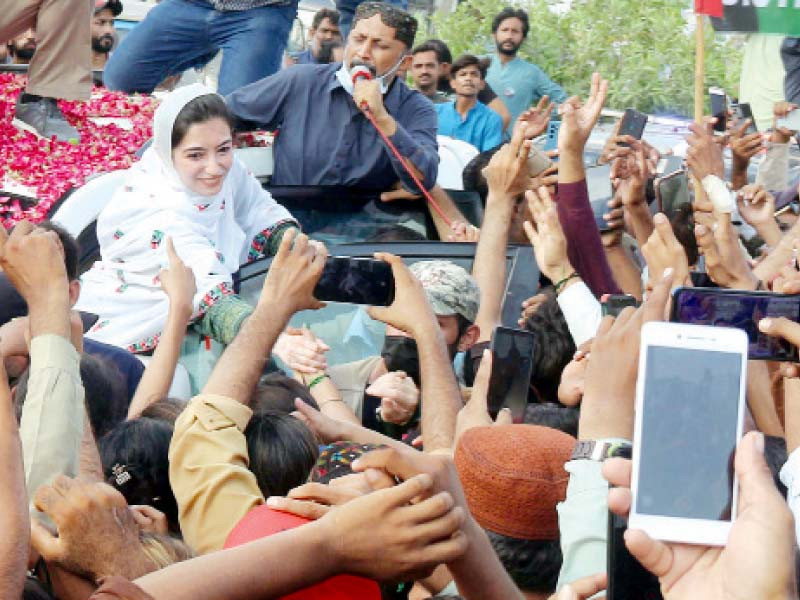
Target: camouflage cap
point(450, 289)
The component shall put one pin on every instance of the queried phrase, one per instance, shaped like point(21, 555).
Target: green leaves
point(645, 48)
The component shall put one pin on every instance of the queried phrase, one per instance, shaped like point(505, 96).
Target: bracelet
point(561, 283)
point(316, 380)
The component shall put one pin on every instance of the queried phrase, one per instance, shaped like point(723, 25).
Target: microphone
point(360, 72)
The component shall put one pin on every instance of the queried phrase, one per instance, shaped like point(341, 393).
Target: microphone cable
point(365, 74)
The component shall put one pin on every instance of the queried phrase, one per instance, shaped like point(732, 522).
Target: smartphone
point(538, 161)
point(356, 281)
point(790, 121)
point(672, 192)
point(627, 578)
point(512, 363)
point(742, 111)
point(688, 420)
point(598, 182)
point(616, 303)
point(633, 124)
point(742, 310)
point(668, 164)
point(719, 108)
point(552, 135)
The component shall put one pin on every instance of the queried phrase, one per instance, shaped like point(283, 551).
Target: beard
point(508, 48)
point(103, 44)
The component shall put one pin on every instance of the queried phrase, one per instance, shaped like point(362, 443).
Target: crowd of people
point(390, 477)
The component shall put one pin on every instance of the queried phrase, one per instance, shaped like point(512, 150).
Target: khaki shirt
point(351, 379)
point(208, 470)
point(51, 428)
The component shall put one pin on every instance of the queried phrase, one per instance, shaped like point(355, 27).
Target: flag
point(776, 16)
point(712, 8)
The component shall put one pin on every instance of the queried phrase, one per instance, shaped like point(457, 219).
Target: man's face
point(24, 46)
point(326, 32)
point(467, 81)
point(449, 326)
point(103, 31)
point(508, 36)
point(373, 45)
point(425, 70)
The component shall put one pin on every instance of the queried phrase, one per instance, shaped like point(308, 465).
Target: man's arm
point(261, 102)
point(506, 177)
point(411, 312)
point(52, 417)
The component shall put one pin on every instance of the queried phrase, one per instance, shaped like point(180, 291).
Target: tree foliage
point(645, 48)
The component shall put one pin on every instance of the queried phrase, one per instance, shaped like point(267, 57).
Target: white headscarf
point(212, 234)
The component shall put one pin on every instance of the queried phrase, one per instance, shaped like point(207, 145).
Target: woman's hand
point(178, 281)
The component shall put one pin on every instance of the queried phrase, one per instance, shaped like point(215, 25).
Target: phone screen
point(512, 362)
point(719, 109)
point(743, 111)
point(616, 303)
point(633, 124)
point(356, 281)
point(743, 311)
point(627, 578)
point(673, 193)
point(552, 136)
point(598, 182)
point(690, 414)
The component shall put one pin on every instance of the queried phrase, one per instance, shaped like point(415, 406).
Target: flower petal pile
point(48, 168)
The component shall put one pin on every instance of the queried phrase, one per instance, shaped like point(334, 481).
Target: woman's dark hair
point(106, 396)
point(201, 109)
point(554, 347)
point(683, 227)
point(276, 393)
point(168, 409)
point(553, 415)
point(135, 462)
point(533, 565)
point(282, 451)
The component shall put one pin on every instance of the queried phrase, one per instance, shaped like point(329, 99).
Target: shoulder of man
point(415, 102)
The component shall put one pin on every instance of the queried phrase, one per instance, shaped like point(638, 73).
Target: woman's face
point(204, 156)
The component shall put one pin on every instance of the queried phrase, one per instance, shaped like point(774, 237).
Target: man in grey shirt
point(178, 35)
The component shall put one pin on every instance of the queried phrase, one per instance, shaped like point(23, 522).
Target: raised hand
point(546, 236)
point(178, 281)
point(294, 273)
point(533, 122)
point(578, 120)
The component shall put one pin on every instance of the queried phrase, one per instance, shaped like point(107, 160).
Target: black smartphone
point(356, 281)
point(512, 363)
point(633, 124)
point(598, 182)
point(616, 303)
point(627, 578)
point(742, 310)
point(719, 108)
point(742, 111)
point(552, 136)
point(672, 192)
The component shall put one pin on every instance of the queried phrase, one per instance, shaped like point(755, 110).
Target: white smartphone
point(690, 399)
point(538, 161)
point(790, 121)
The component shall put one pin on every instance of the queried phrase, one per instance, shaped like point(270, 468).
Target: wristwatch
point(599, 451)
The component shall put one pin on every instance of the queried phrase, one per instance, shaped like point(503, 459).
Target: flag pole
point(699, 87)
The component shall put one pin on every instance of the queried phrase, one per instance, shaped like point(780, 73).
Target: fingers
point(655, 305)
point(388, 459)
point(781, 327)
point(586, 587)
point(43, 541)
point(173, 257)
point(756, 486)
point(619, 501)
point(617, 471)
point(415, 487)
point(322, 494)
point(442, 527)
point(480, 387)
point(654, 556)
point(707, 244)
point(301, 508)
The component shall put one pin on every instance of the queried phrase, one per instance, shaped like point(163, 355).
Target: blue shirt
point(520, 85)
point(483, 128)
point(324, 139)
point(305, 58)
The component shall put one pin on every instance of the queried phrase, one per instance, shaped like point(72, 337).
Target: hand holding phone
point(672, 192)
point(741, 112)
point(791, 121)
point(633, 124)
point(538, 162)
point(689, 413)
point(598, 182)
